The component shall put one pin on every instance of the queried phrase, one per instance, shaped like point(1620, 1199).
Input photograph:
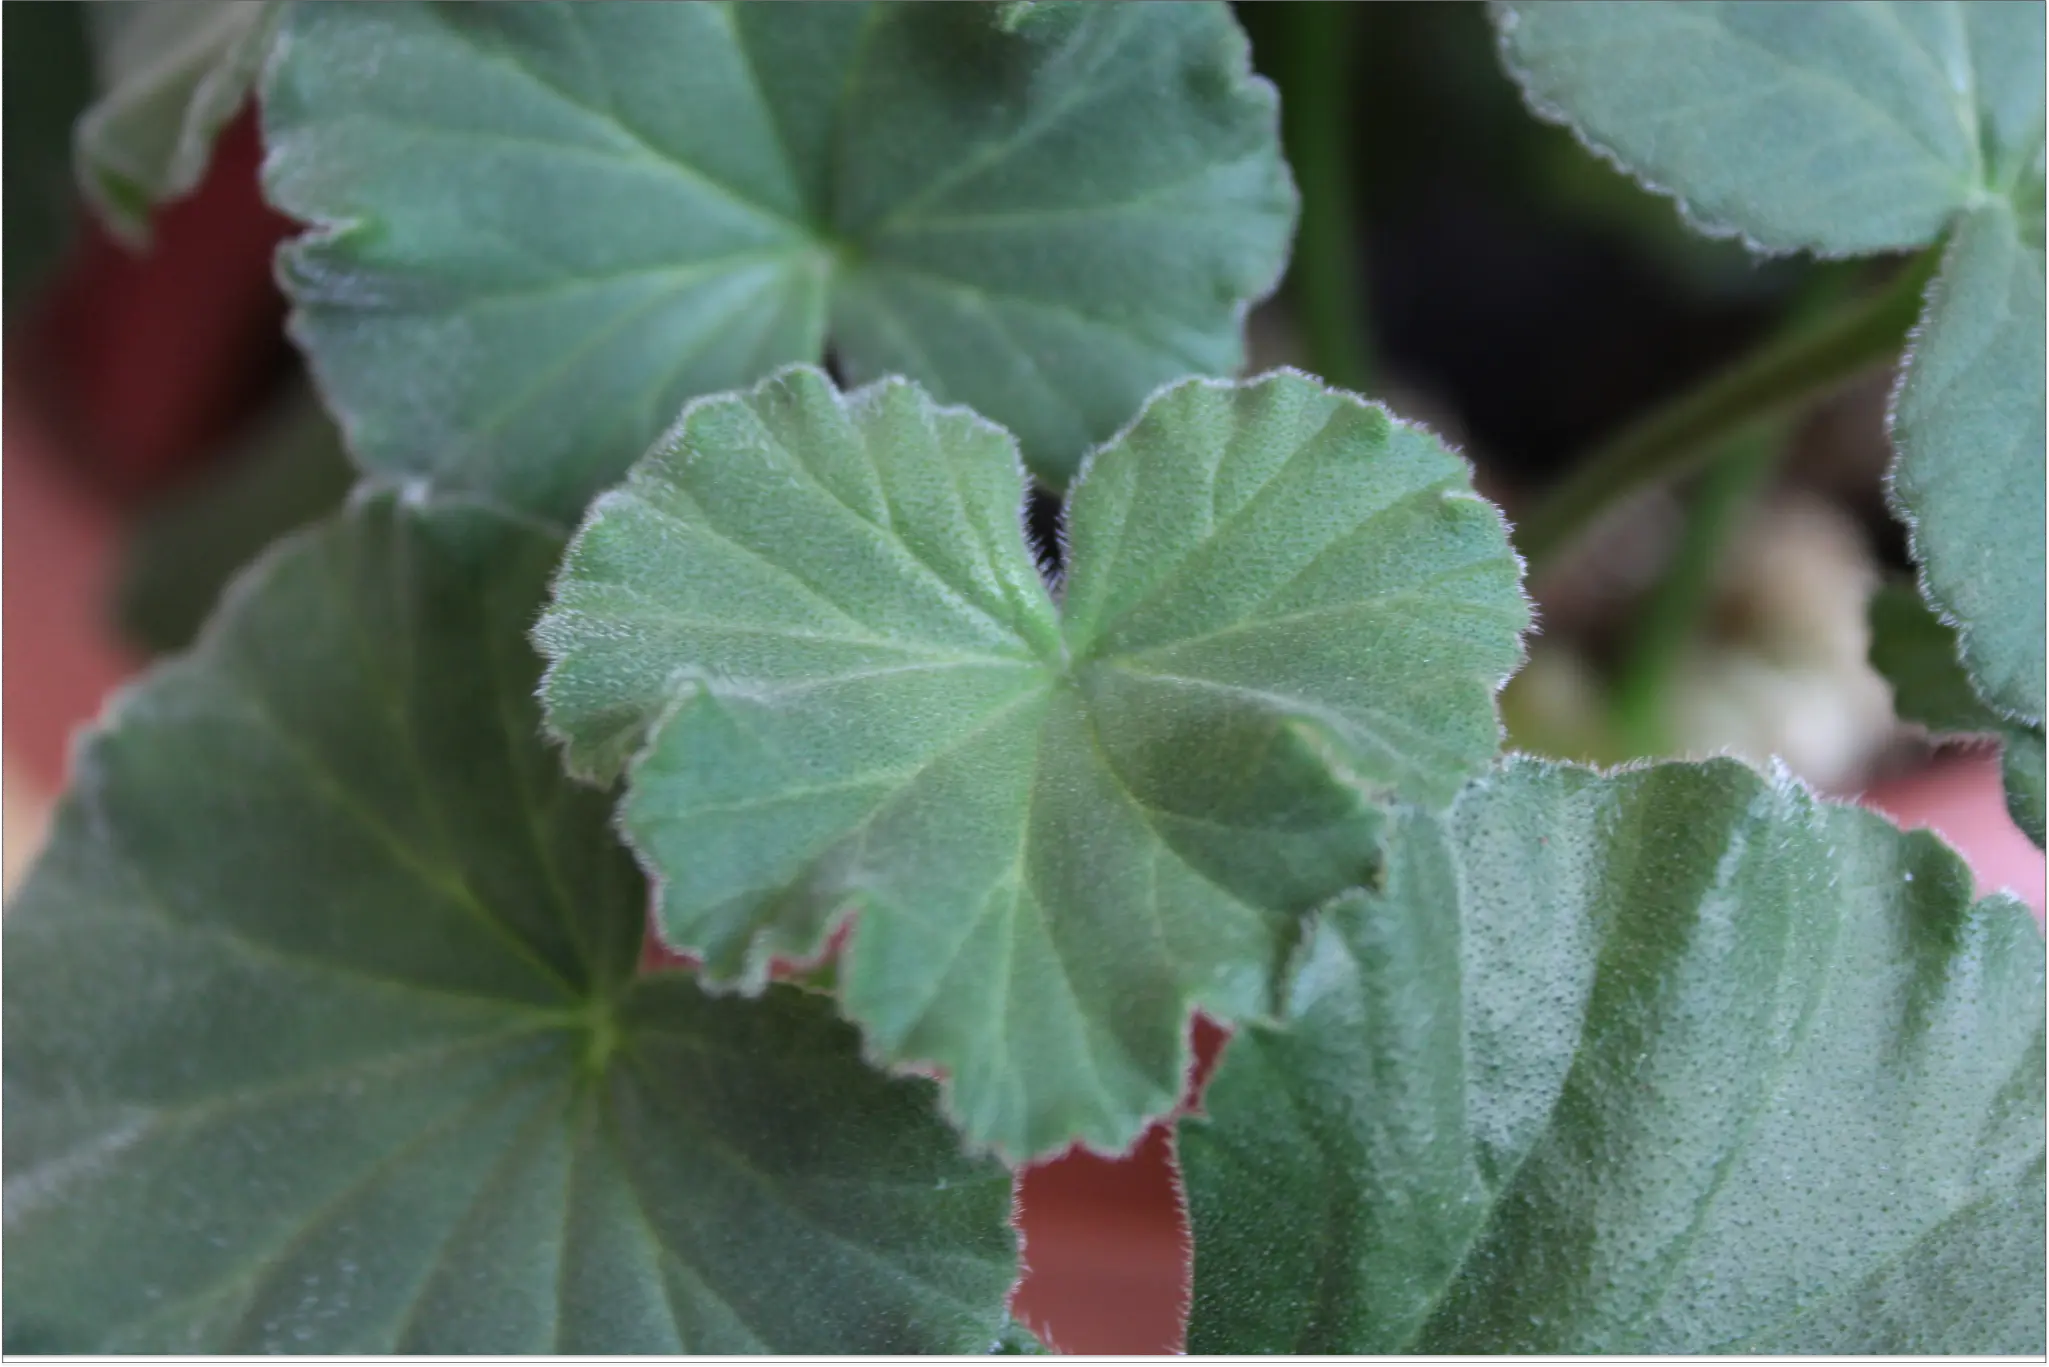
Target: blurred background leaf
point(288, 469)
point(48, 80)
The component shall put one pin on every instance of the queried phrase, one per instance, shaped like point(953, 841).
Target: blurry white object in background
point(1782, 668)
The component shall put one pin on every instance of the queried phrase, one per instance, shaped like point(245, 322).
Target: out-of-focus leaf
point(290, 471)
point(539, 229)
point(172, 73)
point(48, 79)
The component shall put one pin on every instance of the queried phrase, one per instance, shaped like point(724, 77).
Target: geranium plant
point(807, 510)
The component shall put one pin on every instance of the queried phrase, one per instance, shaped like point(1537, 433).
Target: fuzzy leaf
point(541, 228)
point(322, 1034)
point(1968, 426)
point(1797, 124)
point(172, 74)
point(1677, 1061)
point(813, 626)
point(1917, 654)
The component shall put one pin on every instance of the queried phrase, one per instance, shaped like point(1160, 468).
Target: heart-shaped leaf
point(322, 1034)
point(543, 227)
point(1842, 129)
point(1678, 1061)
point(171, 76)
point(1917, 654)
point(816, 624)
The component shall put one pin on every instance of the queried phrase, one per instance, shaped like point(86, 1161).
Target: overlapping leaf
point(171, 76)
point(1917, 654)
point(1677, 1061)
point(812, 625)
point(321, 1034)
point(1843, 129)
point(543, 227)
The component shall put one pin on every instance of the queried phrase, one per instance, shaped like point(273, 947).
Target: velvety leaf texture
point(1840, 129)
point(541, 228)
point(322, 1034)
point(1917, 654)
point(812, 625)
point(172, 73)
point(1677, 1061)
point(1853, 128)
point(1969, 428)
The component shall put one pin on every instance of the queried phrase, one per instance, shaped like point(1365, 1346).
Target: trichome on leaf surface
point(328, 1023)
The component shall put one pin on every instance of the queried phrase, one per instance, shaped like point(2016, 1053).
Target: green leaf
point(47, 80)
point(541, 228)
point(322, 1034)
point(171, 76)
point(813, 627)
point(1968, 426)
point(1797, 124)
point(289, 471)
point(1917, 654)
point(2021, 768)
point(1677, 1061)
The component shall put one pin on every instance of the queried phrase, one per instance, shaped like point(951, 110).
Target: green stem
point(1675, 607)
point(1316, 120)
point(1783, 376)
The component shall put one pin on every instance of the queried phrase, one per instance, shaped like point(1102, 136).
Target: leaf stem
point(1670, 616)
point(1316, 118)
point(1787, 373)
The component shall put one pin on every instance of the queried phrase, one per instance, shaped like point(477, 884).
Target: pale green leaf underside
point(321, 1034)
point(542, 228)
point(1917, 654)
point(1676, 1061)
point(815, 621)
point(172, 73)
point(1855, 128)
